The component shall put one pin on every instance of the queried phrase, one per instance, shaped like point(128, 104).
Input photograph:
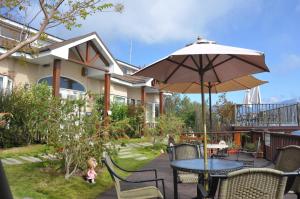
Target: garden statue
point(91, 173)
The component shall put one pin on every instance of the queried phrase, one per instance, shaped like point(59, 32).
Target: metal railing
point(266, 115)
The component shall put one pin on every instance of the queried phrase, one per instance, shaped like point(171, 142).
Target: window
point(65, 82)
point(119, 99)
point(5, 84)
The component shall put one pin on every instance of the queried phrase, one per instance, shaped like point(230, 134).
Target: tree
point(225, 111)
point(51, 13)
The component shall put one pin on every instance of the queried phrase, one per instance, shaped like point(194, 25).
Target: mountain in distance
point(291, 101)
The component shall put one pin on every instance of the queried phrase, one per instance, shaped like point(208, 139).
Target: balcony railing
point(266, 115)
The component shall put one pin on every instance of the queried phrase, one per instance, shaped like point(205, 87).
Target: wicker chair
point(288, 160)
point(5, 192)
point(138, 193)
point(185, 152)
point(251, 183)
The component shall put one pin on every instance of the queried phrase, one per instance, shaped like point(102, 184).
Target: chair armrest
point(202, 191)
point(141, 181)
point(130, 171)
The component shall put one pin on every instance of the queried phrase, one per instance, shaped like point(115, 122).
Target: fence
point(265, 115)
point(273, 141)
point(214, 137)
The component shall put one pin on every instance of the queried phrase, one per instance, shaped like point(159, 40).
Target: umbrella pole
point(210, 115)
point(204, 131)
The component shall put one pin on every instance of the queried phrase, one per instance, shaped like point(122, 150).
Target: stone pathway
point(27, 159)
point(129, 151)
point(125, 152)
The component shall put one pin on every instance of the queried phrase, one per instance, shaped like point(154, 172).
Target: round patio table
point(215, 166)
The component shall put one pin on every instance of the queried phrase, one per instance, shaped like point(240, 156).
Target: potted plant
point(232, 148)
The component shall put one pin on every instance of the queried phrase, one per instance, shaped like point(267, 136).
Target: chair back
point(288, 160)
point(222, 142)
point(4, 187)
point(111, 169)
point(253, 183)
point(185, 152)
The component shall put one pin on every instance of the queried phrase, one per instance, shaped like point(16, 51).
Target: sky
point(157, 28)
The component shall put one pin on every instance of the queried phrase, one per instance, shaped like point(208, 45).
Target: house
point(73, 67)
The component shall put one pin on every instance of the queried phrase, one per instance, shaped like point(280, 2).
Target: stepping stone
point(130, 156)
point(126, 149)
point(12, 161)
point(4, 161)
point(141, 158)
point(30, 159)
point(124, 153)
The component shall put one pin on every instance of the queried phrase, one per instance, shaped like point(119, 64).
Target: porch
point(162, 164)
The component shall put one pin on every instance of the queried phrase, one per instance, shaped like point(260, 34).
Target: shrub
point(76, 136)
point(30, 110)
point(167, 124)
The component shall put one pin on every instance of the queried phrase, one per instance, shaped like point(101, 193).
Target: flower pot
point(232, 151)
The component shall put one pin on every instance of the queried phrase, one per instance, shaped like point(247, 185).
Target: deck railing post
point(298, 119)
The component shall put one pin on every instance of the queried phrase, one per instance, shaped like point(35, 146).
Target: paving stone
point(13, 161)
point(4, 161)
point(30, 158)
point(126, 149)
point(130, 156)
point(124, 153)
point(141, 158)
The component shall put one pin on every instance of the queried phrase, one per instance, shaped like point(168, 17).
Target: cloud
point(159, 21)
point(288, 62)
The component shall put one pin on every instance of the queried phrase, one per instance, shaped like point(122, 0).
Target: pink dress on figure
point(91, 174)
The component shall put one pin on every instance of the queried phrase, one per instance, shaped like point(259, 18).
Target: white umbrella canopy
point(255, 96)
point(246, 99)
point(205, 61)
point(240, 83)
point(218, 63)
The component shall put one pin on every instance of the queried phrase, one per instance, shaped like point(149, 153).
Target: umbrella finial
point(201, 40)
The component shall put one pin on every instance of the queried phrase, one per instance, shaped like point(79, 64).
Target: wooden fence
point(273, 141)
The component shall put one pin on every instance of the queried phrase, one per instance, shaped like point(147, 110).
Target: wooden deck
point(185, 191)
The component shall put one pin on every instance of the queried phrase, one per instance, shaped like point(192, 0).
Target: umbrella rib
point(240, 84)
point(195, 63)
point(174, 71)
point(214, 66)
point(183, 65)
point(249, 62)
point(188, 87)
point(210, 62)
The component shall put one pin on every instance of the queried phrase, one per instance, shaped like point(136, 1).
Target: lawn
point(31, 150)
point(36, 180)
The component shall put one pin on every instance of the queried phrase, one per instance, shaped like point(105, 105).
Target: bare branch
point(42, 5)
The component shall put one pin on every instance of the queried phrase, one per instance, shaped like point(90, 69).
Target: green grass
point(32, 150)
point(34, 181)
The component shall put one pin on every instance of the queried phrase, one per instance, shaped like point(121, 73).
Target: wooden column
point(161, 103)
point(106, 94)
point(56, 77)
point(237, 138)
point(143, 98)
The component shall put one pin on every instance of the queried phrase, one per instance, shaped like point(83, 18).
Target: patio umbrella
point(240, 83)
point(205, 61)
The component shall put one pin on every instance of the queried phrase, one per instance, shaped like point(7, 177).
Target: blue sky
point(159, 27)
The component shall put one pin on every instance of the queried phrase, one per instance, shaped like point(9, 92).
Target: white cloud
point(154, 21)
point(288, 62)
